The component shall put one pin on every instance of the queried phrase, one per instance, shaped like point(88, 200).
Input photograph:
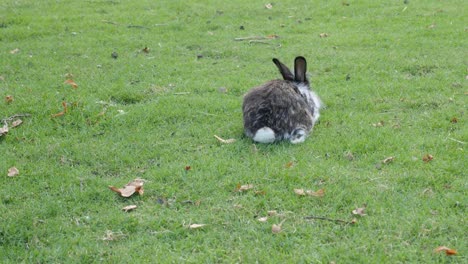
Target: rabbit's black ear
point(300, 69)
point(287, 75)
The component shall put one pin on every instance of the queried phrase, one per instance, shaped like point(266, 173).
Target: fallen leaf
point(13, 171)
point(427, 158)
point(14, 51)
point(272, 36)
point(388, 160)
point(129, 208)
point(4, 129)
point(275, 229)
point(146, 50)
point(9, 99)
point(448, 251)
point(319, 193)
point(196, 226)
point(349, 156)
point(72, 83)
point(360, 210)
point(272, 213)
point(16, 123)
point(379, 124)
point(225, 141)
point(64, 105)
point(263, 219)
point(289, 164)
point(261, 192)
point(454, 120)
point(111, 236)
point(187, 168)
point(300, 192)
point(268, 6)
point(323, 35)
point(242, 188)
point(129, 189)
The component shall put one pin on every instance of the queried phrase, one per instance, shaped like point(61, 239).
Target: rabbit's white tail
point(264, 135)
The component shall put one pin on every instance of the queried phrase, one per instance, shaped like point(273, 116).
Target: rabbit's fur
point(282, 109)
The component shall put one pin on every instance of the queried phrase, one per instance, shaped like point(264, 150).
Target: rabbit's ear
point(287, 75)
point(300, 69)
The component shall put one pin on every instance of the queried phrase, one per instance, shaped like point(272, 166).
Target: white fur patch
point(311, 97)
point(264, 135)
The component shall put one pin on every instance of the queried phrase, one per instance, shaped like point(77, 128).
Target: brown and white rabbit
point(282, 109)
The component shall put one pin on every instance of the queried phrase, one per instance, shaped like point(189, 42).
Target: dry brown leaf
point(360, 211)
point(242, 188)
point(9, 99)
point(388, 160)
point(300, 192)
point(272, 36)
point(427, 158)
point(13, 171)
point(275, 229)
point(272, 213)
point(72, 83)
point(319, 193)
point(111, 236)
point(196, 226)
point(4, 129)
point(64, 105)
point(448, 251)
point(129, 207)
point(187, 168)
point(146, 50)
point(379, 124)
point(454, 120)
point(129, 189)
point(16, 123)
point(289, 164)
point(263, 219)
point(14, 51)
point(225, 141)
point(323, 35)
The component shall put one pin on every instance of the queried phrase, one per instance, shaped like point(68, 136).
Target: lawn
point(147, 85)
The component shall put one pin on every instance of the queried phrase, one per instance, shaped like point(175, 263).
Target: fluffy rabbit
point(282, 109)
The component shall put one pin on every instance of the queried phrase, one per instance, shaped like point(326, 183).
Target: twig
point(117, 24)
point(250, 38)
point(328, 219)
point(259, 42)
point(110, 22)
point(14, 116)
point(456, 140)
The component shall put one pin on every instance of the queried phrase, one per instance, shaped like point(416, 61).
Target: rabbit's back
point(277, 105)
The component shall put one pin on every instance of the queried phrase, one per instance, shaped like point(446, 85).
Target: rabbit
point(282, 109)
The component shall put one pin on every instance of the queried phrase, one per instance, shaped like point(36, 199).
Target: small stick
point(110, 22)
point(250, 38)
point(328, 219)
point(15, 116)
point(456, 140)
point(259, 42)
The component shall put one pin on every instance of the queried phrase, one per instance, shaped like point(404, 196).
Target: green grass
point(406, 65)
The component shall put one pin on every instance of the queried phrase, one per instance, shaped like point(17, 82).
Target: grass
point(391, 74)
